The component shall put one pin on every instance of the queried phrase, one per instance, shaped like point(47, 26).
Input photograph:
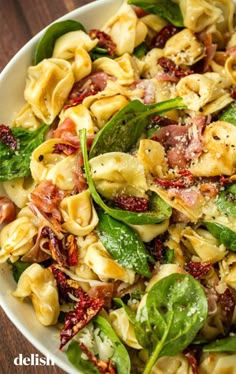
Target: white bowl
point(12, 83)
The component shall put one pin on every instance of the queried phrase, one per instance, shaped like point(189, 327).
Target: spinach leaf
point(130, 313)
point(74, 355)
point(98, 52)
point(162, 210)
point(44, 48)
point(18, 267)
point(221, 345)
point(169, 256)
point(120, 356)
point(124, 129)
point(226, 202)
point(175, 310)
point(16, 163)
point(141, 50)
point(123, 244)
point(165, 9)
point(229, 114)
point(224, 234)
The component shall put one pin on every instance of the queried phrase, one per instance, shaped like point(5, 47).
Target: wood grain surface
point(19, 21)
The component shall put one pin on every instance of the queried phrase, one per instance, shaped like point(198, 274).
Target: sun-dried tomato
point(104, 366)
point(185, 180)
point(233, 93)
point(140, 12)
point(227, 303)
point(67, 149)
point(7, 137)
point(64, 251)
point(158, 249)
point(225, 180)
point(160, 39)
point(198, 269)
point(104, 41)
point(163, 121)
point(132, 203)
point(80, 180)
point(72, 250)
point(190, 354)
point(171, 68)
point(85, 308)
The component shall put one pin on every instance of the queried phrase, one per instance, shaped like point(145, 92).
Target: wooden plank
point(39, 14)
point(14, 31)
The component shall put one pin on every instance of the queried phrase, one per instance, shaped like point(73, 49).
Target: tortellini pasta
point(190, 202)
point(123, 68)
point(27, 119)
point(18, 190)
point(39, 284)
point(184, 48)
point(46, 164)
point(126, 30)
point(218, 363)
point(124, 328)
point(204, 91)
point(152, 155)
point(102, 264)
point(79, 215)
point(48, 86)
point(16, 239)
point(203, 244)
point(219, 156)
point(149, 231)
point(198, 14)
point(105, 108)
point(118, 173)
point(80, 116)
point(66, 45)
point(178, 364)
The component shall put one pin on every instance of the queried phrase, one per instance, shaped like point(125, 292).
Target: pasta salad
point(119, 218)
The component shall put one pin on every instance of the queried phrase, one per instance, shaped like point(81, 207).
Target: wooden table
point(19, 21)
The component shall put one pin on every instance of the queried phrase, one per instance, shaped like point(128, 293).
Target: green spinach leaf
point(120, 356)
point(74, 354)
point(98, 52)
point(175, 310)
point(18, 267)
point(221, 345)
point(229, 114)
point(226, 202)
point(224, 234)
point(123, 244)
point(44, 48)
point(124, 129)
point(162, 210)
point(141, 50)
point(16, 163)
point(168, 10)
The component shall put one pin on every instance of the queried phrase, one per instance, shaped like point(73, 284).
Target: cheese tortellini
point(118, 173)
point(39, 284)
point(48, 86)
point(16, 239)
point(46, 164)
point(79, 215)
